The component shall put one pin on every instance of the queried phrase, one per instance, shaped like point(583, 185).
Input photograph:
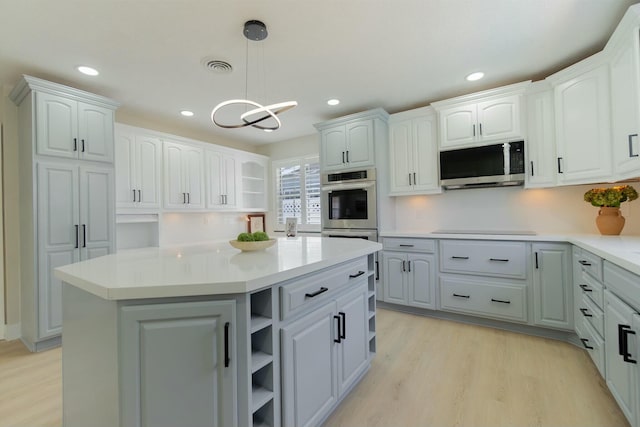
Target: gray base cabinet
point(180, 352)
point(323, 354)
point(552, 290)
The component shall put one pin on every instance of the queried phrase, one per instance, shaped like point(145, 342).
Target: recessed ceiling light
point(475, 76)
point(88, 70)
point(187, 113)
point(333, 102)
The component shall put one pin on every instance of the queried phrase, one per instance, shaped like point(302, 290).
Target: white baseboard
point(12, 332)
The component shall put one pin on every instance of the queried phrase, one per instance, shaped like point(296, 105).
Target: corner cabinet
point(552, 285)
point(413, 153)
point(166, 345)
point(481, 118)
point(67, 200)
point(540, 169)
point(583, 124)
point(349, 142)
point(183, 176)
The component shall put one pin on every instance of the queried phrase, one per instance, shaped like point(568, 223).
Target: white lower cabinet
point(552, 287)
point(178, 352)
point(409, 279)
point(323, 354)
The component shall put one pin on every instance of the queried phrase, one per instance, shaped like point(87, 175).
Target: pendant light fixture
point(263, 117)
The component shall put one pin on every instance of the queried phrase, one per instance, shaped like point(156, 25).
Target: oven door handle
point(349, 186)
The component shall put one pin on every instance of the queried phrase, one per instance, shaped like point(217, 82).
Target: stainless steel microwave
point(493, 165)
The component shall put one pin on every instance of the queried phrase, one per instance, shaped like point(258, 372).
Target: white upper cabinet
point(583, 130)
point(138, 170)
point(183, 176)
point(349, 142)
point(481, 118)
point(73, 129)
point(222, 176)
point(624, 66)
point(540, 146)
point(413, 153)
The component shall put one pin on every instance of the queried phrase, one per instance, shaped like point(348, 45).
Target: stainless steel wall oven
point(349, 200)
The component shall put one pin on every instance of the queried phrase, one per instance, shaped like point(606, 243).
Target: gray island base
point(208, 336)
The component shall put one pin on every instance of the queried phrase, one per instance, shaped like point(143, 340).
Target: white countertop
point(621, 250)
point(209, 268)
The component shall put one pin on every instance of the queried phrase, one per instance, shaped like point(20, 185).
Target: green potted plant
point(610, 221)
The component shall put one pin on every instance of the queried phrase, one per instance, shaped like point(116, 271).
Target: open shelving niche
point(263, 369)
point(253, 185)
point(371, 304)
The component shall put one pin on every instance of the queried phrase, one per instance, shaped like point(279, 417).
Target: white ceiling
point(395, 54)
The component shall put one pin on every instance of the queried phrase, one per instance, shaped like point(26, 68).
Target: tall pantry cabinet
point(67, 201)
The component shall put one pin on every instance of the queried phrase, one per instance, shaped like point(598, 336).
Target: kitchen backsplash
point(556, 210)
point(184, 228)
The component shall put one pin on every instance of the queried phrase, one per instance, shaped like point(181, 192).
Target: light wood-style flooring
point(427, 372)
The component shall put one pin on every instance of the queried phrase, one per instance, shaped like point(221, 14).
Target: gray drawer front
point(482, 298)
point(592, 314)
point(305, 292)
point(408, 244)
point(623, 283)
point(591, 264)
point(501, 259)
point(590, 338)
point(589, 286)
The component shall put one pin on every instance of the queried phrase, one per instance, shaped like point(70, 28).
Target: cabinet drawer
point(481, 298)
point(502, 259)
point(592, 288)
point(592, 314)
point(623, 283)
point(591, 264)
point(305, 292)
point(408, 244)
point(592, 342)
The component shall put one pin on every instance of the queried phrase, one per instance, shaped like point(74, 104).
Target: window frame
point(296, 161)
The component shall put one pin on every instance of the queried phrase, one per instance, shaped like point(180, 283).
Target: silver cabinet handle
point(139, 195)
point(409, 179)
point(188, 198)
point(480, 129)
point(184, 198)
point(347, 156)
point(414, 179)
point(134, 195)
point(343, 157)
point(474, 130)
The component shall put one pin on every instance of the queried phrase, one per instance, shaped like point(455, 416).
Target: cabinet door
point(622, 376)
point(333, 143)
point(400, 152)
point(174, 188)
point(552, 289)
point(215, 175)
point(425, 155)
point(176, 353)
point(230, 181)
point(95, 130)
point(421, 280)
point(148, 161)
point(583, 131)
point(57, 126)
point(125, 153)
point(360, 151)
point(353, 351)
point(395, 282)
point(625, 112)
point(458, 126)
point(193, 174)
point(499, 118)
point(309, 368)
point(541, 147)
point(58, 239)
point(97, 218)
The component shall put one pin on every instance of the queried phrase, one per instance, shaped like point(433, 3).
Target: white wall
point(185, 228)
point(558, 210)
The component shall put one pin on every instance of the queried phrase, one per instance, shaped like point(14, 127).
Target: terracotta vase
point(610, 221)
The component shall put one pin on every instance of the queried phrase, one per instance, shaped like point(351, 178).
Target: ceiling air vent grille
point(217, 66)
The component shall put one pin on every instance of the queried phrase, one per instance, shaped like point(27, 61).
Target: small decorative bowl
point(252, 246)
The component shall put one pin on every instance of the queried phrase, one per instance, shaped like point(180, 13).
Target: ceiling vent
point(216, 65)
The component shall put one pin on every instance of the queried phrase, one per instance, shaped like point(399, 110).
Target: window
point(297, 193)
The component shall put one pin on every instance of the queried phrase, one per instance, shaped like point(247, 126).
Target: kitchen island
point(206, 335)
